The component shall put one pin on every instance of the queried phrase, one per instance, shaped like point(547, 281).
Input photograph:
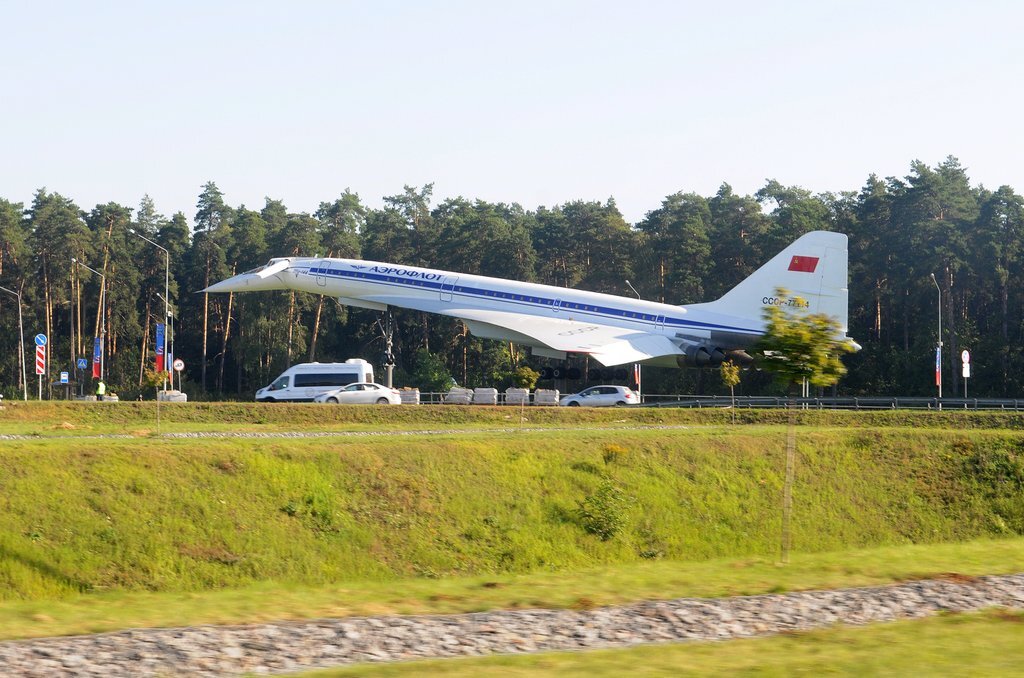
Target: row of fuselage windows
point(506, 295)
point(569, 306)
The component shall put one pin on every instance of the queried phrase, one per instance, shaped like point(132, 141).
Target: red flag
point(803, 264)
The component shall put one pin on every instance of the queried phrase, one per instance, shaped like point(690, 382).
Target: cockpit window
point(260, 268)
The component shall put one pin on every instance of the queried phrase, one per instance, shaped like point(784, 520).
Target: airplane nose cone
point(229, 285)
point(263, 278)
point(246, 282)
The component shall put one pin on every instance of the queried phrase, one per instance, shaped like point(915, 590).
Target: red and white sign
point(40, 360)
point(178, 365)
point(803, 264)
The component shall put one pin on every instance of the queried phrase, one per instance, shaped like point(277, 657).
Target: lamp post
point(167, 281)
point(938, 348)
point(21, 332)
point(103, 313)
point(637, 369)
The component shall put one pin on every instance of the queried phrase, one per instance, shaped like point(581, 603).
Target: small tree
point(799, 345)
point(430, 372)
point(525, 377)
point(730, 374)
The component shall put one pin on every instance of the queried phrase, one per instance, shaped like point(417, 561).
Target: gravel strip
point(287, 647)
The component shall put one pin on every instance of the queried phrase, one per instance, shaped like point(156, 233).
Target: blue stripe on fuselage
point(528, 300)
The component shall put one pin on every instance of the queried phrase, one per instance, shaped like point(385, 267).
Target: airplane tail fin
point(813, 267)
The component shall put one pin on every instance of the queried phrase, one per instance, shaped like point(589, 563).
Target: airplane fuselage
point(377, 285)
point(557, 321)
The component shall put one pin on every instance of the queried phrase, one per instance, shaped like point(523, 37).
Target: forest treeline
point(690, 248)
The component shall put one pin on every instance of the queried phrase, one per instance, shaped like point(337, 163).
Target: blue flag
point(159, 347)
point(97, 357)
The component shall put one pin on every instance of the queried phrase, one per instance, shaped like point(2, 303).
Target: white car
point(601, 396)
point(363, 393)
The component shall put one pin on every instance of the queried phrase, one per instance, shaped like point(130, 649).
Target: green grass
point(99, 534)
point(983, 644)
point(587, 588)
point(184, 515)
point(62, 418)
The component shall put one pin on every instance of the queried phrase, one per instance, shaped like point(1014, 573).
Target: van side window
point(325, 379)
point(279, 384)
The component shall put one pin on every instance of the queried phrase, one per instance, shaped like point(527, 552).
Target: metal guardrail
point(750, 402)
point(852, 403)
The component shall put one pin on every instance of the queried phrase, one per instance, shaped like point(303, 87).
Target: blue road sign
point(40, 340)
point(63, 377)
point(82, 363)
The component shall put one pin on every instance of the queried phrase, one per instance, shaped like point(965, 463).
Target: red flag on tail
point(803, 264)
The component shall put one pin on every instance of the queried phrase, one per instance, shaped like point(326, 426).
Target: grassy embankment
point(88, 521)
point(985, 644)
point(60, 418)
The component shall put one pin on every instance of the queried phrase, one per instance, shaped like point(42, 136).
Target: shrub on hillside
point(613, 453)
point(999, 472)
point(603, 513)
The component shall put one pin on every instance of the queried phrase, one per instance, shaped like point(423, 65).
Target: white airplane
point(557, 321)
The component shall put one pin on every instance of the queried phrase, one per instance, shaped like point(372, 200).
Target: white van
point(302, 383)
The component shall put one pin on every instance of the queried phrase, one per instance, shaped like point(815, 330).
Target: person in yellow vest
point(101, 389)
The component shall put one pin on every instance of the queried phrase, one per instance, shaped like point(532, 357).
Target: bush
point(431, 374)
point(524, 377)
point(613, 453)
point(603, 513)
point(999, 473)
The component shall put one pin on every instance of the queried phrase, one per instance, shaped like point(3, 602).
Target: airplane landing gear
point(561, 372)
point(387, 329)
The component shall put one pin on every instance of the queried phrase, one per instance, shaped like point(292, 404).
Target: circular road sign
point(40, 340)
point(178, 364)
point(965, 356)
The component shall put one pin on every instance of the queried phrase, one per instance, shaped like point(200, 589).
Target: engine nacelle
point(740, 357)
point(701, 356)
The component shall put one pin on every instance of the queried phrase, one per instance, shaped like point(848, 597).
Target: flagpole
point(167, 286)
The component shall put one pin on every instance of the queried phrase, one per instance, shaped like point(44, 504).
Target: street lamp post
point(938, 348)
point(21, 332)
point(167, 282)
point(637, 369)
point(103, 312)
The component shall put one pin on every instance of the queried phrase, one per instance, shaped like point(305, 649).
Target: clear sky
point(535, 102)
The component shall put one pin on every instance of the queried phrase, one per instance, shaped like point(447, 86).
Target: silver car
point(601, 396)
point(363, 393)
